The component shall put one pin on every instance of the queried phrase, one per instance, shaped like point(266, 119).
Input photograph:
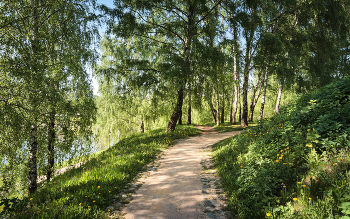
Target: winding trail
point(175, 189)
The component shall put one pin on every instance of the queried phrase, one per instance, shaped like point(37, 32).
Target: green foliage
point(46, 48)
point(86, 191)
point(263, 165)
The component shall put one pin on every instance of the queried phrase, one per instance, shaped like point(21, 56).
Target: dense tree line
point(211, 52)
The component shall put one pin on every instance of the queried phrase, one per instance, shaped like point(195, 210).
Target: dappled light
point(174, 190)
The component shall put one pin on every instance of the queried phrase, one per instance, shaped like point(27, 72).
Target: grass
point(86, 191)
point(295, 164)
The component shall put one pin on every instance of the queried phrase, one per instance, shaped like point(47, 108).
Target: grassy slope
point(293, 165)
point(86, 191)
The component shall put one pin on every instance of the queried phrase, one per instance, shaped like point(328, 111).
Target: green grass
point(86, 191)
point(295, 164)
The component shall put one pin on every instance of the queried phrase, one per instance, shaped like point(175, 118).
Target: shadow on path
point(175, 189)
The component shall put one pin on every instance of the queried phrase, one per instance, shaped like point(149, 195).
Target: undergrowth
point(295, 164)
point(86, 191)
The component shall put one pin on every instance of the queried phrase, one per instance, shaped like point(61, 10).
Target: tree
point(172, 24)
point(45, 47)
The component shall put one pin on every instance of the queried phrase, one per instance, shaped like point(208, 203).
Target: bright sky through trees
point(101, 30)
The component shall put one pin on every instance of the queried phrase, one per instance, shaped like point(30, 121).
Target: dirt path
point(176, 189)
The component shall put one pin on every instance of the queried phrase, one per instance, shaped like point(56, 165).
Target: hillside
point(294, 164)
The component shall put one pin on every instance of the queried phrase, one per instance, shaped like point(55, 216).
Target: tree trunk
point(234, 112)
point(142, 127)
point(231, 108)
point(256, 100)
point(244, 121)
point(279, 98)
point(32, 162)
point(261, 113)
point(51, 147)
point(33, 146)
point(180, 118)
point(213, 111)
point(189, 105)
point(253, 102)
point(223, 108)
point(175, 116)
point(217, 107)
point(239, 105)
point(236, 86)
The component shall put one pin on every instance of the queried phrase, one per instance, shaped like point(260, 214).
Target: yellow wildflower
point(268, 214)
point(295, 199)
point(304, 185)
point(98, 187)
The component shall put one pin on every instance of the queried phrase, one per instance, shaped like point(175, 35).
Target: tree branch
point(205, 16)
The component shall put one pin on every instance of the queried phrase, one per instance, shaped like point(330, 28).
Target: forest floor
point(182, 184)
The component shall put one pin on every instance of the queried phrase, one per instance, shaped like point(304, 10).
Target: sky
point(108, 3)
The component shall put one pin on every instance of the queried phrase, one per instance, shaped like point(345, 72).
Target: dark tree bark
point(223, 109)
point(279, 98)
point(217, 107)
point(261, 113)
point(142, 127)
point(244, 121)
point(213, 111)
point(189, 105)
point(180, 118)
point(253, 99)
point(51, 147)
point(231, 108)
point(175, 116)
point(32, 162)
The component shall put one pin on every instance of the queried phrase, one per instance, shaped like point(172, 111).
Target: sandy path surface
point(175, 189)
